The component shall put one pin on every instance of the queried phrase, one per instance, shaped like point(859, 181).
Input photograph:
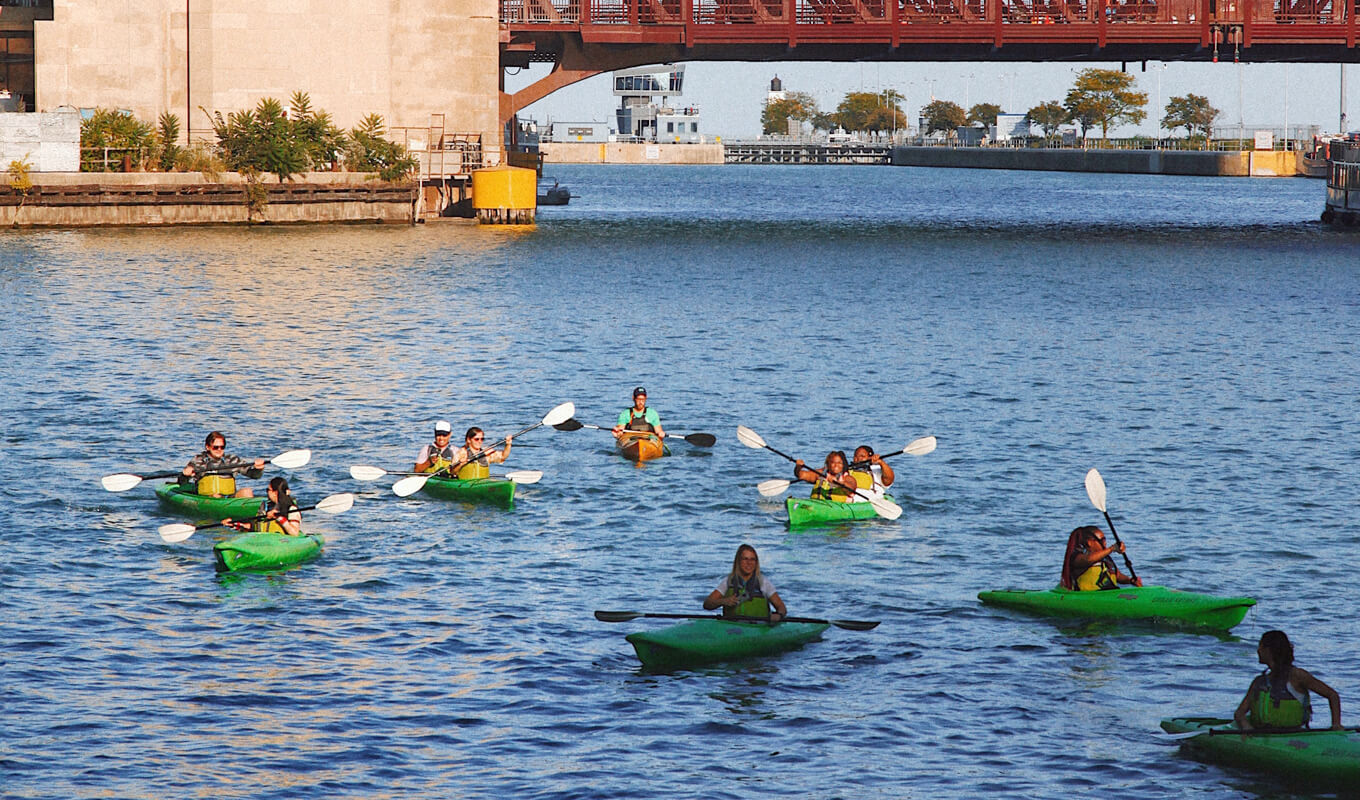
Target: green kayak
point(804, 511)
point(184, 500)
point(265, 551)
point(704, 640)
point(493, 491)
point(1152, 603)
point(1316, 757)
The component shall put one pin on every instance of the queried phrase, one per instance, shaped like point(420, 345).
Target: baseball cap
point(443, 427)
point(639, 390)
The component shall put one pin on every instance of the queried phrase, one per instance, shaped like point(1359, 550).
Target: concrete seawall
point(629, 153)
point(1255, 163)
point(91, 199)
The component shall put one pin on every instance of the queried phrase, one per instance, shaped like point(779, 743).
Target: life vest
point(269, 525)
point(755, 604)
point(1096, 577)
point(864, 480)
point(824, 489)
point(474, 470)
point(440, 458)
point(216, 485)
point(1277, 707)
point(635, 425)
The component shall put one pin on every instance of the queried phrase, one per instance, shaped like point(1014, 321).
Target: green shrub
point(121, 133)
point(366, 150)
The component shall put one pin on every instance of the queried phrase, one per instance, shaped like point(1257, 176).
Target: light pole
point(1159, 67)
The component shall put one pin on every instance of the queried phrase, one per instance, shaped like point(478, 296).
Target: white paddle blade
point(336, 503)
point(176, 532)
point(525, 476)
point(409, 486)
point(920, 447)
point(750, 438)
point(292, 459)
point(362, 473)
point(560, 414)
point(885, 508)
point(1095, 489)
point(120, 482)
point(773, 488)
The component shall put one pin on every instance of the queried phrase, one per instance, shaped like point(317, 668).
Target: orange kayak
point(641, 446)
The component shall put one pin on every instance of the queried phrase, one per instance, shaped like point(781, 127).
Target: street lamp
point(1159, 67)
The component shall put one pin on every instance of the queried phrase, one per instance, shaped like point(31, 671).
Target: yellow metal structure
point(504, 195)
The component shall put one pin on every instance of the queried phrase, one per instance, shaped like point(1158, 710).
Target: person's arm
point(655, 419)
point(1305, 679)
point(719, 597)
point(887, 471)
point(424, 460)
point(778, 605)
point(1083, 561)
point(1240, 715)
point(499, 456)
point(621, 422)
point(291, 524)
point(802, 473)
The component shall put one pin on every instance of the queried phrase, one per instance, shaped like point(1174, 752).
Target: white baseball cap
point(442, 426)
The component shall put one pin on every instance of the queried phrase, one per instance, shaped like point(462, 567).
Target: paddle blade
point(292, 459)
point(855, 624)
point(120, 482)
point(560, 414)
point(1095, 489)
point(177, 532)
point(617, 616)
point(570, 425)
point(920, 447)
point(525, 476)
point(885, 508)
point(362, 473)
point(750, 438)
point(409, 486)
point(702, 439)
point(773, 488)
point(336, 503)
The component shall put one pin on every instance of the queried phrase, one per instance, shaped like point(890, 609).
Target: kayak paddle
point(625, 616)
point(362, 473)
point(1095, 489)
point(1254, 732)
point(882, 506)
point(918, 447)
point(178, 532)
point(123, 481)
point(414, 483)
point(699, 439)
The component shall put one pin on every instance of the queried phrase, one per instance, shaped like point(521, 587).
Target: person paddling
point(439, 454)
point(471, 461)
point(279, 511)
point(835, 483)
point(872, 474)
point(745, 592)
point(213, 471)
point(1088, 565)
point(1278, 698)
point(639, 417)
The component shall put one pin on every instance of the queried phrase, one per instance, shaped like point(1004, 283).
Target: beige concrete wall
point(403, 59)
point(629, 153)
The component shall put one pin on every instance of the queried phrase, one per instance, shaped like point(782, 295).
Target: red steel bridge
point(582, 38)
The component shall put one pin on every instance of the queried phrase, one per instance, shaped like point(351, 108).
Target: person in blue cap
point(639, 417)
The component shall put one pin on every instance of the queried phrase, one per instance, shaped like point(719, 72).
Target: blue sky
point(730, 95)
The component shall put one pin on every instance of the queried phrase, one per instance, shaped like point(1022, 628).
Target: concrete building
point(403, 59)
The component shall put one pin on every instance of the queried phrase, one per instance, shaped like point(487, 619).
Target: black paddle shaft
point(1128, 564)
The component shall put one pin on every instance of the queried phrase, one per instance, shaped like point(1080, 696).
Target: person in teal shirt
point(639, 417)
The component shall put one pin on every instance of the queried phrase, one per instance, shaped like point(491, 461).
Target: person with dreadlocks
point(1279, 697)
point(1088, 564)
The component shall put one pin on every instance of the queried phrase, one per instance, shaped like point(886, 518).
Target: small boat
point(1148, 603)
point(492, 491)
point(641, 446)
point(1318, 758)
point(186, 501)
point(805, 511)
point(554, 195)
point(265, 551)
point(703, 641)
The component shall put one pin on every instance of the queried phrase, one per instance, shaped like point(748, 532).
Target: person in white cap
point(438, 455)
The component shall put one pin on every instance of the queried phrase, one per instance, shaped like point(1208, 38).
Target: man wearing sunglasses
point(214, 471)
point(1088, 564)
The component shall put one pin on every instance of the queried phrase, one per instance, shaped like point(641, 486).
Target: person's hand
point(1137, 581)
point(188, 471)
point(259, 463)
point(1119, 547)
point(618, 429)
point(775, 616)
point(729, 601)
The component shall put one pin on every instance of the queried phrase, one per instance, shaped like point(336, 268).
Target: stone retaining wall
point(1263, 163)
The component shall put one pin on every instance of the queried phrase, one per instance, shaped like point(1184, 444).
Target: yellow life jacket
point(268, 525)
point(473, 470)
point(1269, 711)
point(217, 485)
point(1096, 577)
point(826, 490)
point(864, 480)
point(437, 464)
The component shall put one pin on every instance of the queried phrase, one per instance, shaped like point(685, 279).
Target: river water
point(1194, 339)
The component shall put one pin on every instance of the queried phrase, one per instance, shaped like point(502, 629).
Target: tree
point(944, 117)
point(315, 132)
point(167, 141)
point(798, 106)
point(871, 111)
point(1049, 117)
point(1191, 112)
point(983, 115)
point(262, 140)
point(366, 150)
point(1105, 97)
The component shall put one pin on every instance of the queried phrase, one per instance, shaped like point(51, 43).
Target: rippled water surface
point(1194, 339)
